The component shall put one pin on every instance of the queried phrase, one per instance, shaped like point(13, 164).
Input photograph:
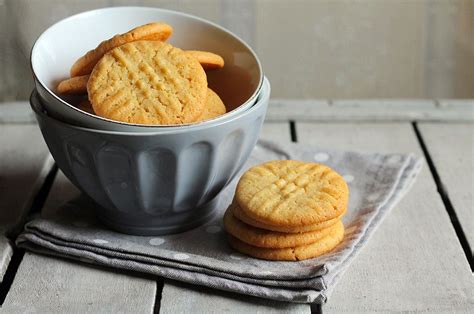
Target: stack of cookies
point(287, 210)
point(137, 77)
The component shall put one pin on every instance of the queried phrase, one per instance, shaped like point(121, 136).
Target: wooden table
point(420, 259)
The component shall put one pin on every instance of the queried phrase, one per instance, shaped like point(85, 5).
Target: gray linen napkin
point(202, 256)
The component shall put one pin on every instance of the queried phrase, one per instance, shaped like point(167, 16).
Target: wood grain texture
point(22, 172)
point(369, 110)
point(52, 285)
point(414, 261)
point(16, 112)
point(276, 131)
point(55, 285)
point(184, 298)
point(451, 147)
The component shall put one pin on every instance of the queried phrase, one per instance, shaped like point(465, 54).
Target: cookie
point(148, 82)
point(292, 193)
point(74, 85)
point(270, 239)
point(208, 60)
point(86, 106)
point(214, 106)
point(151, 31)
point(239, 214)
point(297, 253)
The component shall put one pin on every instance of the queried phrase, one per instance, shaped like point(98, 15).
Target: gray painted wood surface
point(24, 164)
point(414, 261)
point(369, 110)
point(451, 147)
point(184, 298)
point(56, 285)
point(91, 289)
point(46, 284)
point(16, 112)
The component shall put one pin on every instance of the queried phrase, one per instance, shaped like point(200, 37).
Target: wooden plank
point(181, 298)
point(368, 110)
point(456, 103)
point(24, 164)
point(184, 298)
point(414, 261)
point(54, 285)
point(16, 112)
point(46, 284)
point(451, 147)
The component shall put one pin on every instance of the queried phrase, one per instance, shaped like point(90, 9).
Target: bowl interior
point(58, 47)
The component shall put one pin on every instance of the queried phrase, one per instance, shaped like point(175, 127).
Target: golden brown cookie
point(151, 31)
point(148, 82)
point(74, 85)
point(270, 239)
point(208, 60)
point(292, 193)
point(214, 106)
point(297, 253)
point(239, 214)
point(86, 106)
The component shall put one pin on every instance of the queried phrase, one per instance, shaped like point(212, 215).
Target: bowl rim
point(146, 126)
point(263, 98)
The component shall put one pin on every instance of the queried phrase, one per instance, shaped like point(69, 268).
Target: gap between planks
point(414, 251)
point(184, 298)
point(445, 198)
point(294, 139)
point(37, 204)
point(159, 293)
point(63, 285)
point(156, 304)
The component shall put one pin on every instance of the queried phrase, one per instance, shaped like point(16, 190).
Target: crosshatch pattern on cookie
point(148, 82)
point(292, 193)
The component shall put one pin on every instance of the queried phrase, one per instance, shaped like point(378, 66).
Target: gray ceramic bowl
point(238, 83)
point(158, 183)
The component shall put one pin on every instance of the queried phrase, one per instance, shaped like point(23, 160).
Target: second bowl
point(238, 83)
